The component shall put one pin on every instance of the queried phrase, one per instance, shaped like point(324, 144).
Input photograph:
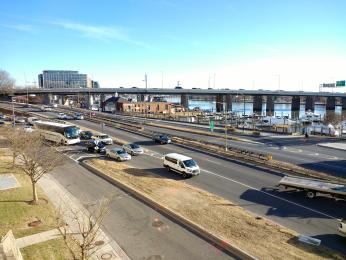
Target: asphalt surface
point(142, 232)
point(250, 186)
point(297, 150)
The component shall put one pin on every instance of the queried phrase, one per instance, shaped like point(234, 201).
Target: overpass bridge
point(223, 97)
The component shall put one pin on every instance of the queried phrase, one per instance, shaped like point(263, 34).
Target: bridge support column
point(229, 103)
point(102, 102)
point(270, 106)
point(257, 105)
point(140, 98)
point(330, 105)
point(219, 103)
point(184, 101)
point(295, 107)
point(90, 99)
point(310, 103)
point(47, 99)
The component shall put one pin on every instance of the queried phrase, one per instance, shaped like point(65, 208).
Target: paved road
point(296, 150)
point(249, 186)
point(139, 230)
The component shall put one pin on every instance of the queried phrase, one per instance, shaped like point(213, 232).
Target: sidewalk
point(337, 146)
point(64, 200)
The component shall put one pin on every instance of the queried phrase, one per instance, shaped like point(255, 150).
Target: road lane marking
point(271, 195)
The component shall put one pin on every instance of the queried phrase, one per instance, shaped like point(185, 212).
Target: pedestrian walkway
point(66, 202)
point(37, 238)
point(337, 146)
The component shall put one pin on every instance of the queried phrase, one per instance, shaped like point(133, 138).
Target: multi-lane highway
point(250, 186)
point(142, 232)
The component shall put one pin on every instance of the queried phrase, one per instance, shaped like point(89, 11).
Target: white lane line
point(271, 195)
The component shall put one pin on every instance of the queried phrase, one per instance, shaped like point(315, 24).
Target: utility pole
point(162, 79)
point(146, 80)
point(226, 141)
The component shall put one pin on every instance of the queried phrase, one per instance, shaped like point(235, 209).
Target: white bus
point(58, 133)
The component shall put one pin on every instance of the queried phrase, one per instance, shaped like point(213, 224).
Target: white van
point(181, 164)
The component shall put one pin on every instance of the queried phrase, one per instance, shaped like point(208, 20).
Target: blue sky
point(241, 44)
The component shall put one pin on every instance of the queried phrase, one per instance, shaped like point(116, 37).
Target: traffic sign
point(211, 125)
point(340, 83)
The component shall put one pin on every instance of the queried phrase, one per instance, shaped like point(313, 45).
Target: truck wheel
point(310, 194)
point(184, 175)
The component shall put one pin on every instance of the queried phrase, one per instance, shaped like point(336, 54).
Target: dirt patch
point(257, 236)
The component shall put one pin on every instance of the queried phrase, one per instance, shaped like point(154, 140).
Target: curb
point(334, 148)
point(221, 244)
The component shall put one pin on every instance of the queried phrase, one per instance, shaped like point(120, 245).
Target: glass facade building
point(63, 79)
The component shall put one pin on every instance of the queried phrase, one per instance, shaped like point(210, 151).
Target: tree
point(36, 159)
point(14, 137)
point(6, 83)
point(82, 233)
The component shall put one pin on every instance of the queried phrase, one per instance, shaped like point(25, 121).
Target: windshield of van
point(190, 163)
point(134, 146)
point(71, 132)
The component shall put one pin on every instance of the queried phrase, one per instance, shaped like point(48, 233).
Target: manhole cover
point(34, 223)
point(99, 243)
point(157, 223)
point(106, 255)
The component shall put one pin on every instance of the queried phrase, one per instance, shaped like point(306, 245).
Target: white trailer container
point(313, 187)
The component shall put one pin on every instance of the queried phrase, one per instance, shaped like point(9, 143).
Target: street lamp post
point(244, 113)
point(226, 137)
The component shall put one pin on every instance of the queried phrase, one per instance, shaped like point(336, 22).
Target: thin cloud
point(21, 27)
point(102, 33)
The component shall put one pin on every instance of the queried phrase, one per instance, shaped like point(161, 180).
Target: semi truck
point(314, 187)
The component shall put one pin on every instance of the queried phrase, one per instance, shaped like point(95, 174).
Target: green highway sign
point(212, 125)
point(340, 83)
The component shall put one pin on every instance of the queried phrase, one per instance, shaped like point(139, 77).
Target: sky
point(250, 44)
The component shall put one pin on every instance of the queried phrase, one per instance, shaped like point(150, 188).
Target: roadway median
point(226, 225)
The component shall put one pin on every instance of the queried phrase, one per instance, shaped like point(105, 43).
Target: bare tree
point(82, 233)
point(14, 137)
point(6, 83)
point(36, 159)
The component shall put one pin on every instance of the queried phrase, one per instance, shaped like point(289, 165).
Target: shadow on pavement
point(277, 201)
point(335, 168)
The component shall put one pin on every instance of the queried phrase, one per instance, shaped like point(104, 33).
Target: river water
point(280, 109)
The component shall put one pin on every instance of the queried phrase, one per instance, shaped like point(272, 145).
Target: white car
point(61, 116)
point(342, 226)
point(133, 149)
point(28, 128)
point(118, 154)
point(106, 139)
point(181, 164)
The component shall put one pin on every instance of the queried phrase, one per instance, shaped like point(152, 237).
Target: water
point(238, 107)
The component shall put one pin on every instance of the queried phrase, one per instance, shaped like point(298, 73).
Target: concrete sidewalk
point(66, 202)
point(337, 146)
point(37, 238)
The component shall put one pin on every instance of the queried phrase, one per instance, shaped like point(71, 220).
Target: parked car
point(118, 154)
point(96, 146)
point(161, 138)
point(342, 226)
point(86, 135)
point(2, 116)
point(133, 149)
point(78, 116)
point(181, 164)
point(27, 106)
point(106, 139)
point(2, 122)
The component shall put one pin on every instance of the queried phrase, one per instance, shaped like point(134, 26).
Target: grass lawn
point(53, 250)
point(15, 211)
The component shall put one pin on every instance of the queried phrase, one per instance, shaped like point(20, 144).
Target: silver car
point(133, 149)
point(118, 154)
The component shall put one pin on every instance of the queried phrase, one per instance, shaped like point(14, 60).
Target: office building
point(63, 79)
